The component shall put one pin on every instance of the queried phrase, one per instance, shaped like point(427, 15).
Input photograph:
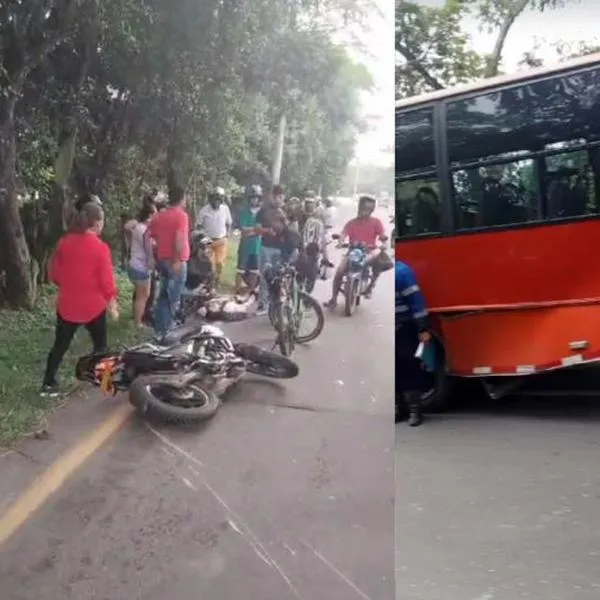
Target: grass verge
point(25, 339)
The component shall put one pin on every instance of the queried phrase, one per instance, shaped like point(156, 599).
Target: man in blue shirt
point(412, 328)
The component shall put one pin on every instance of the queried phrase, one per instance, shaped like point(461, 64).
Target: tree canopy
point(434, 50)
point(116, 97)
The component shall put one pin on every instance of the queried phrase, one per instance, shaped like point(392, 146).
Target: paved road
point(287, 494)
point(500, 504)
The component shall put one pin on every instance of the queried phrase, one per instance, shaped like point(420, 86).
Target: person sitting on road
point(364, 229)
point(250, 244)
point(412, 328)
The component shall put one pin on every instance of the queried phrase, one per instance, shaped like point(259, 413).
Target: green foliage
point(116, 97)
point(435, 51)
point(25, 339)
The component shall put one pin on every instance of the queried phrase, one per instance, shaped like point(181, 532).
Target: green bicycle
point(289, 308)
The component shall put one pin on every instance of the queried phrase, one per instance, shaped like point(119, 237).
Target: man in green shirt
point(250, 245)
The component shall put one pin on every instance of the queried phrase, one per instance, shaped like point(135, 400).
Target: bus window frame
point(444, 170)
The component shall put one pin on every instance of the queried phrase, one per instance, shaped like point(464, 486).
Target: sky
point(378, 106)
point(574, 22)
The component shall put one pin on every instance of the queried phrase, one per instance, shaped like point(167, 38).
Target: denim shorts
point(138, 275)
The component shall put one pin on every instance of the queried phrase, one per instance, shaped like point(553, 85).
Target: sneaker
point(330, 303)
point(50, 390)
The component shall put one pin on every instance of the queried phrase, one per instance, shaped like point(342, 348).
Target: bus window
point(571, 183)
point(414, 141)
point(418, 209)
point(496, 195)
point(561, 107)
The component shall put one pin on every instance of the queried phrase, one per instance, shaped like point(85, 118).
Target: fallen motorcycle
point(184, 380)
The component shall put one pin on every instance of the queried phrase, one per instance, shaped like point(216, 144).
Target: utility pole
point(278, 157)
point(356, 177)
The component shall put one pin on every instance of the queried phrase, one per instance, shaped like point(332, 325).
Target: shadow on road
point(562, 405)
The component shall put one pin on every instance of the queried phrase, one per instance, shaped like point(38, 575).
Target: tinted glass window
point(418, 209)
point(527, 117)
point(571, 184)
point(496, 195)
point(414, 141)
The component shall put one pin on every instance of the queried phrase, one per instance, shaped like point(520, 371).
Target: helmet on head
point(310, 194)
point(217, 195)
point(254, 191)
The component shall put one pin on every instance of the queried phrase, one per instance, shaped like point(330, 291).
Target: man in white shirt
point(214, 221)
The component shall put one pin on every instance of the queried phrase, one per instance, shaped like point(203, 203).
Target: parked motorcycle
point(182, 381)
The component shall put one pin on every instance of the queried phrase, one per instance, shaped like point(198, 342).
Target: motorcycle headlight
point(190, 348)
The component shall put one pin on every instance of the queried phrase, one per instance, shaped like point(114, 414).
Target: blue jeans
point(268, 256)
point(169, 297)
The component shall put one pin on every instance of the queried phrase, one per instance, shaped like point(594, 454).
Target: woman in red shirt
point(82, 268)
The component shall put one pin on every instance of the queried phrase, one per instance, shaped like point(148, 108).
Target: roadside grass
point(25, 339)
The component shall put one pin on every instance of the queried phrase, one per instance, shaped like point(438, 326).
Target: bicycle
point(287, 305)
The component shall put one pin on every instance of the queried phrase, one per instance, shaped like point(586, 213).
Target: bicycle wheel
point(286, 336)
point(307, 305)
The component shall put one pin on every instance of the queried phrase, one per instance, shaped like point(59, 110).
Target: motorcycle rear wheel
point(152, 394)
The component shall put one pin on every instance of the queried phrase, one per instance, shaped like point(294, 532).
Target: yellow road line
point(57, 474)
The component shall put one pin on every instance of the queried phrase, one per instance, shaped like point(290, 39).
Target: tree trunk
point(493, 63)
point(18, 288)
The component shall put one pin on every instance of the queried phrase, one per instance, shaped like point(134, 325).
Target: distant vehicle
point(497, 209)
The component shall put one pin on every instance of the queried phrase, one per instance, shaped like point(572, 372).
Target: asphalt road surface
point(500, 503)
point(287, 494)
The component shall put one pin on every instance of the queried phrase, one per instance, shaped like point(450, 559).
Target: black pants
point(410, 378)
point(149, 310)
point(65, 331)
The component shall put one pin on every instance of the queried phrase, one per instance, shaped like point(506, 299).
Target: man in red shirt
point(363, 229)
point(169, 230)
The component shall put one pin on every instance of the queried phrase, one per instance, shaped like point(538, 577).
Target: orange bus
point(497, 210)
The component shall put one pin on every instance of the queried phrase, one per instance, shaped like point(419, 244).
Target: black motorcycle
point(183, 380)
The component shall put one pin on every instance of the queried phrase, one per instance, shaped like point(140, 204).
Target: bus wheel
point(439, 395)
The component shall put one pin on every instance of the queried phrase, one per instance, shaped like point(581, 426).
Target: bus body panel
point(513, 299)
point(547, 263)
point(521, 342)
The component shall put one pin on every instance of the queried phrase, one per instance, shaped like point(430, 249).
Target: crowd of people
point(273, 230)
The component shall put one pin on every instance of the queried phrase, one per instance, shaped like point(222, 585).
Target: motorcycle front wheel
point(350, 294)
point(155, 395)
point(266, 363)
